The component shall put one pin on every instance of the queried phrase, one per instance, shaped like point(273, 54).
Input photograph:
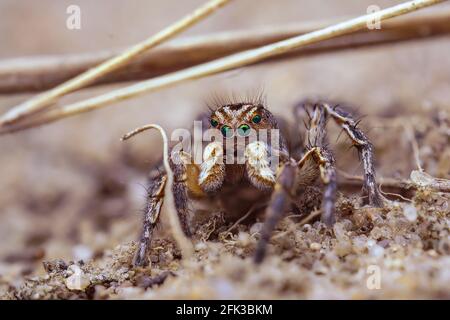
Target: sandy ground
point(71, 192)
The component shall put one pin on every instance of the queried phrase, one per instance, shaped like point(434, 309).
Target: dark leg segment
point(155, 200)
point(365, 150)
point(323, 160)
point(157, 182)
point(319, 161)
point(276, 208)
point(180, 194)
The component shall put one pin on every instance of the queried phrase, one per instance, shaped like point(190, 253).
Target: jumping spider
point(214, 178)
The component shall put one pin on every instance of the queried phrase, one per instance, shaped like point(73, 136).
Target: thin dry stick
point(227, 63)
point(415, 146)
point(387, 182)
point(42, 101)
point(422, 179)
point(393, 194)
point(249, 212)
point(44, 72)
point(183, 242)
point(294, 227)
point(419, 179)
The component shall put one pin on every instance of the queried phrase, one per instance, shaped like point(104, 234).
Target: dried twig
point(395, 195)
point(183, 242)
point(224, 64)
point(44, 72)
point(249, 212)
point(417, 180)
point(423, 180)
point(415, 146)
point(355, 180)
point(42, 101)
point(295, 226)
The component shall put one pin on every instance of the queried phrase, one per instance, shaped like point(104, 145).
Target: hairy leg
point(322, 159)
point(157, 181)
point(155, 200)
point(276, 208)
point(262, 176)
point(365, 150)
point(193, 180)
point(318, 161)
point(180, 190)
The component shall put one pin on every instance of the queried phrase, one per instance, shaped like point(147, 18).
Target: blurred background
point(72, 190)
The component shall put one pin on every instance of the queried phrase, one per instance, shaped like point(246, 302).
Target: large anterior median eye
point(227, 131)
point(256, 119)
point(244, 130)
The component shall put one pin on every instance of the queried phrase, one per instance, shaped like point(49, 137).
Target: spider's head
point(240, 118)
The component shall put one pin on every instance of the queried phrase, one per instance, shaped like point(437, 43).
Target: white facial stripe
point(251, 113)
point(220, 117)
point(228, 115)
point(242, 110)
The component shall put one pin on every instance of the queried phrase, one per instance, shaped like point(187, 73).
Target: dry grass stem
point(423, 180)
point(40, 73)
point(227, 63)
point(42, 101)
point(418, 179)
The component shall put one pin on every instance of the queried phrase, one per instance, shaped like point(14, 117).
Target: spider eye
point(214, 123)
point(256, 119)
point(227, 131)
point(244, 130)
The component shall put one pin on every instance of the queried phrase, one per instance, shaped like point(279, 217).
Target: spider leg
point(155, 200)
point(318, 161)
point(275, 210)
point(262, 176)
point(183, 172)
point(365, 151)
point(194, 180)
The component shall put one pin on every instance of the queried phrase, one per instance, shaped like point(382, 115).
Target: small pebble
point(78, 280)
point(432, 253)
point(376, 251)
point(200, 246)
point(256, 228)
point(410, 212)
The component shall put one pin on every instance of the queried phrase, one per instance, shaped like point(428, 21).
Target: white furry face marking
point(232, 116)
point(258, 165)
point(251, 113)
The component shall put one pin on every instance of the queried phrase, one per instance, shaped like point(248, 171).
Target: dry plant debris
point(409, 242)
point(26, 110)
